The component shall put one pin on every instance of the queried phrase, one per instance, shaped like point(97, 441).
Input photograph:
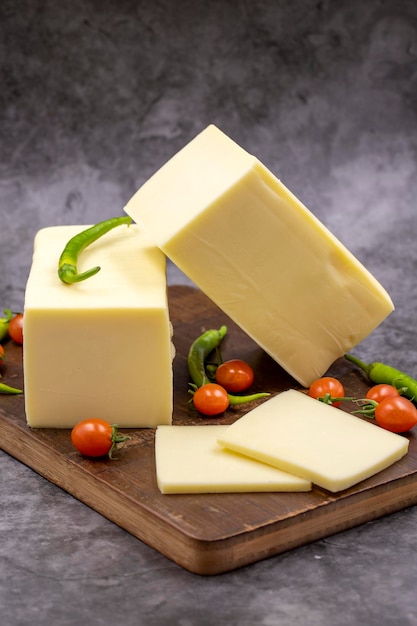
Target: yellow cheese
point(260, 255)
point(188, 460)
point(321, 443)
point(99, 348)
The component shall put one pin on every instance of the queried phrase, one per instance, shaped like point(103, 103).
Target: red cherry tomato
point(327, 385)
point(381, 391)
point(15, 329)
point(211, 399)
point(92, 437)
point(396, 414)
point(2, 355)
point(235, 375)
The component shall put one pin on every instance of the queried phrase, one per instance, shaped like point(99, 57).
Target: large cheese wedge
point(102, 347)
point(241, 236)
point(189, 460)
point(319, 442)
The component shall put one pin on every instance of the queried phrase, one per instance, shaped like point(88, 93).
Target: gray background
point(94, 97)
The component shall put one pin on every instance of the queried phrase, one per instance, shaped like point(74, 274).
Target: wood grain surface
point(210, 533)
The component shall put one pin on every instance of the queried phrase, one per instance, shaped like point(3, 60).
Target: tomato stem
point(328, 399)
point(116, 439)
point(368, 408)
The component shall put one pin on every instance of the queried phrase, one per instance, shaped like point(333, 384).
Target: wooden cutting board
point(210, 533)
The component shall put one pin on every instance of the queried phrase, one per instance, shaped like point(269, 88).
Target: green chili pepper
point(4, 323)
point(381, 373)
point(67, 265)
point(197, 355)
point(9, 390)
point(199, 351)
point(234, 400)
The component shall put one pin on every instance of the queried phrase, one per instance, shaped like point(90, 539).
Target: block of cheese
point(245, 240)
point(189, 460)
point(102, 347)
point(316, 441)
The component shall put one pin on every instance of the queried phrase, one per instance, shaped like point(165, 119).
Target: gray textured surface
point(94, 97)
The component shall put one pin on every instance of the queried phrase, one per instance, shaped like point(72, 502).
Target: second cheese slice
point(241, 236)
point(189, 460)
point(314, 440)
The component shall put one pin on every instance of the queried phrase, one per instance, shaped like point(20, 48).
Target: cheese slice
point(245, 240)
point(319, 442)
point(102, 347)
point(189, 460)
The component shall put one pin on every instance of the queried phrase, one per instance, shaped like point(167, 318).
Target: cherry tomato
point(327, 385)
point(92, 437)
point(211, 399)
point(381, 391)
point(15, 329)
point(235, 375)
point(396, 414)
point(2, 355)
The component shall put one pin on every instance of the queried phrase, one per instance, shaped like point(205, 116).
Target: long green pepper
point(197, 355)
point(199, 351)
point(5, 389)
point(380, 373)
point(67, 264)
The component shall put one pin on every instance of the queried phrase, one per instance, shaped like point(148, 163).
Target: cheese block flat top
point(319, 442)
point(189, 460)
point(256, 251)
point(130, 264)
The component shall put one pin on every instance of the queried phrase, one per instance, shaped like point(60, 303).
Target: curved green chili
point(199, 351)
point(380, 373)
point(67, 264)
point(197, 355)
point(9, 390)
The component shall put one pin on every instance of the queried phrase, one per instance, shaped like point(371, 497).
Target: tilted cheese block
point(102, 347)
point(260, 255)
point(319, 442)
point(189, 460)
